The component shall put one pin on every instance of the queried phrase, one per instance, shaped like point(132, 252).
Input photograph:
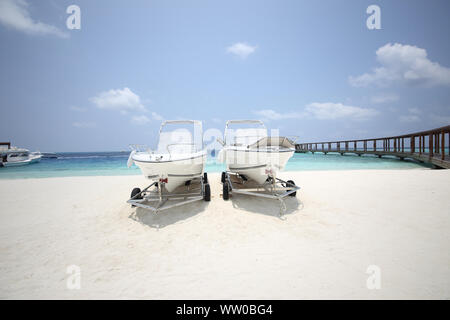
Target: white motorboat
point(13, 156)
point(251, 153)
point(179, 157)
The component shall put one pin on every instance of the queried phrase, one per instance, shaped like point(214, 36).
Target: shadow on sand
point(168, 217)
point(269, 207)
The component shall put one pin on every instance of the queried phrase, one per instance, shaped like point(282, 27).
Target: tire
point(225, 191)
point(134, 192)
point(222, 179)
point(293, 194)
point(205, 177)
point(207, 194)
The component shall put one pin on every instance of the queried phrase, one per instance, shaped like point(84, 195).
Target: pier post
point(436, 143)
point(443, 145)
point(430, 145)
point(423, 143)
point(420, 145)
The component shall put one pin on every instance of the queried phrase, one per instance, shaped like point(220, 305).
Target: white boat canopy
point(244, 136)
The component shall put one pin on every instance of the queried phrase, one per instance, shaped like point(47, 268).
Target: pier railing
point(431, 146)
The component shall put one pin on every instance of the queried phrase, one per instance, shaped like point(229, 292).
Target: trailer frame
point(160, 199)
point(272, 188)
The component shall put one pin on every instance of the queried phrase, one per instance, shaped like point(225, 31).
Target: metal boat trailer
point(276, 189)
point(160, 199)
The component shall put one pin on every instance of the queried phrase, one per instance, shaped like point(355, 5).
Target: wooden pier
point(431, 146)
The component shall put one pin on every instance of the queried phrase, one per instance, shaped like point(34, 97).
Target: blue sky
point(308, 68)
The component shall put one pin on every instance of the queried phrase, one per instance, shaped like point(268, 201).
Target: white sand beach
point(340, 223)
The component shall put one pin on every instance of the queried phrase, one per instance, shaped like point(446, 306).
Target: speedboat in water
point(13, 156)
point(251, 153)
point(179, 158)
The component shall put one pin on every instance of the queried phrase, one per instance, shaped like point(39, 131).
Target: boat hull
point(255, 164)
point(177, 172)
point(22, 162)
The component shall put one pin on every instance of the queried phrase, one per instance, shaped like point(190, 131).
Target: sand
point(340, 223)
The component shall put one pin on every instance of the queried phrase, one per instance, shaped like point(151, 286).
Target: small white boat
point(13, 156)
point(180, 156)
point(251, 153)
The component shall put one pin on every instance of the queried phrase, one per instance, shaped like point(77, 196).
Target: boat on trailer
point(177, 163)
point(253, 160)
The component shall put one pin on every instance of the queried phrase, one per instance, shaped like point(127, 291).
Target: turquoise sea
point(70, 164)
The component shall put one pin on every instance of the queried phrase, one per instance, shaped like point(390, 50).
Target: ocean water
point(70, 164)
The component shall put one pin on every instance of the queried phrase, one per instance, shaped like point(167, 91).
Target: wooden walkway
point(431, 146)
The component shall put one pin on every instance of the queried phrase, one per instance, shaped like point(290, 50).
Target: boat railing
point(140, 148)
point(194, 148)
point(248, 140)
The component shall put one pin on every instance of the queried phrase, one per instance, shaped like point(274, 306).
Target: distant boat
point(49, 155)
point(13, 156)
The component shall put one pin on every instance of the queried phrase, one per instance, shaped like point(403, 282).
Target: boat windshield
point(244, 132)
point(180, 137)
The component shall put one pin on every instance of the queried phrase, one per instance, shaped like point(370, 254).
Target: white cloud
point(140, 120)
point(83, 124)
point(404, 64)
point(384, 98)
point(320, 111)
point(414, 110)
point(120, 99)
point(440, 120)
point(14, 14)
point(241, 49)
point(75, 108)
point(269, 114)
point(331, 111)
point(143, 119)
point(412, 116)
point(157, 117)
point(409, 118)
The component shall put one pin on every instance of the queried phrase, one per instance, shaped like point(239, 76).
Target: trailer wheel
point(207, 195)
point(136, 191)
point(225, 191)
point(293, 194)
point(222, 179)
point(205, 177)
